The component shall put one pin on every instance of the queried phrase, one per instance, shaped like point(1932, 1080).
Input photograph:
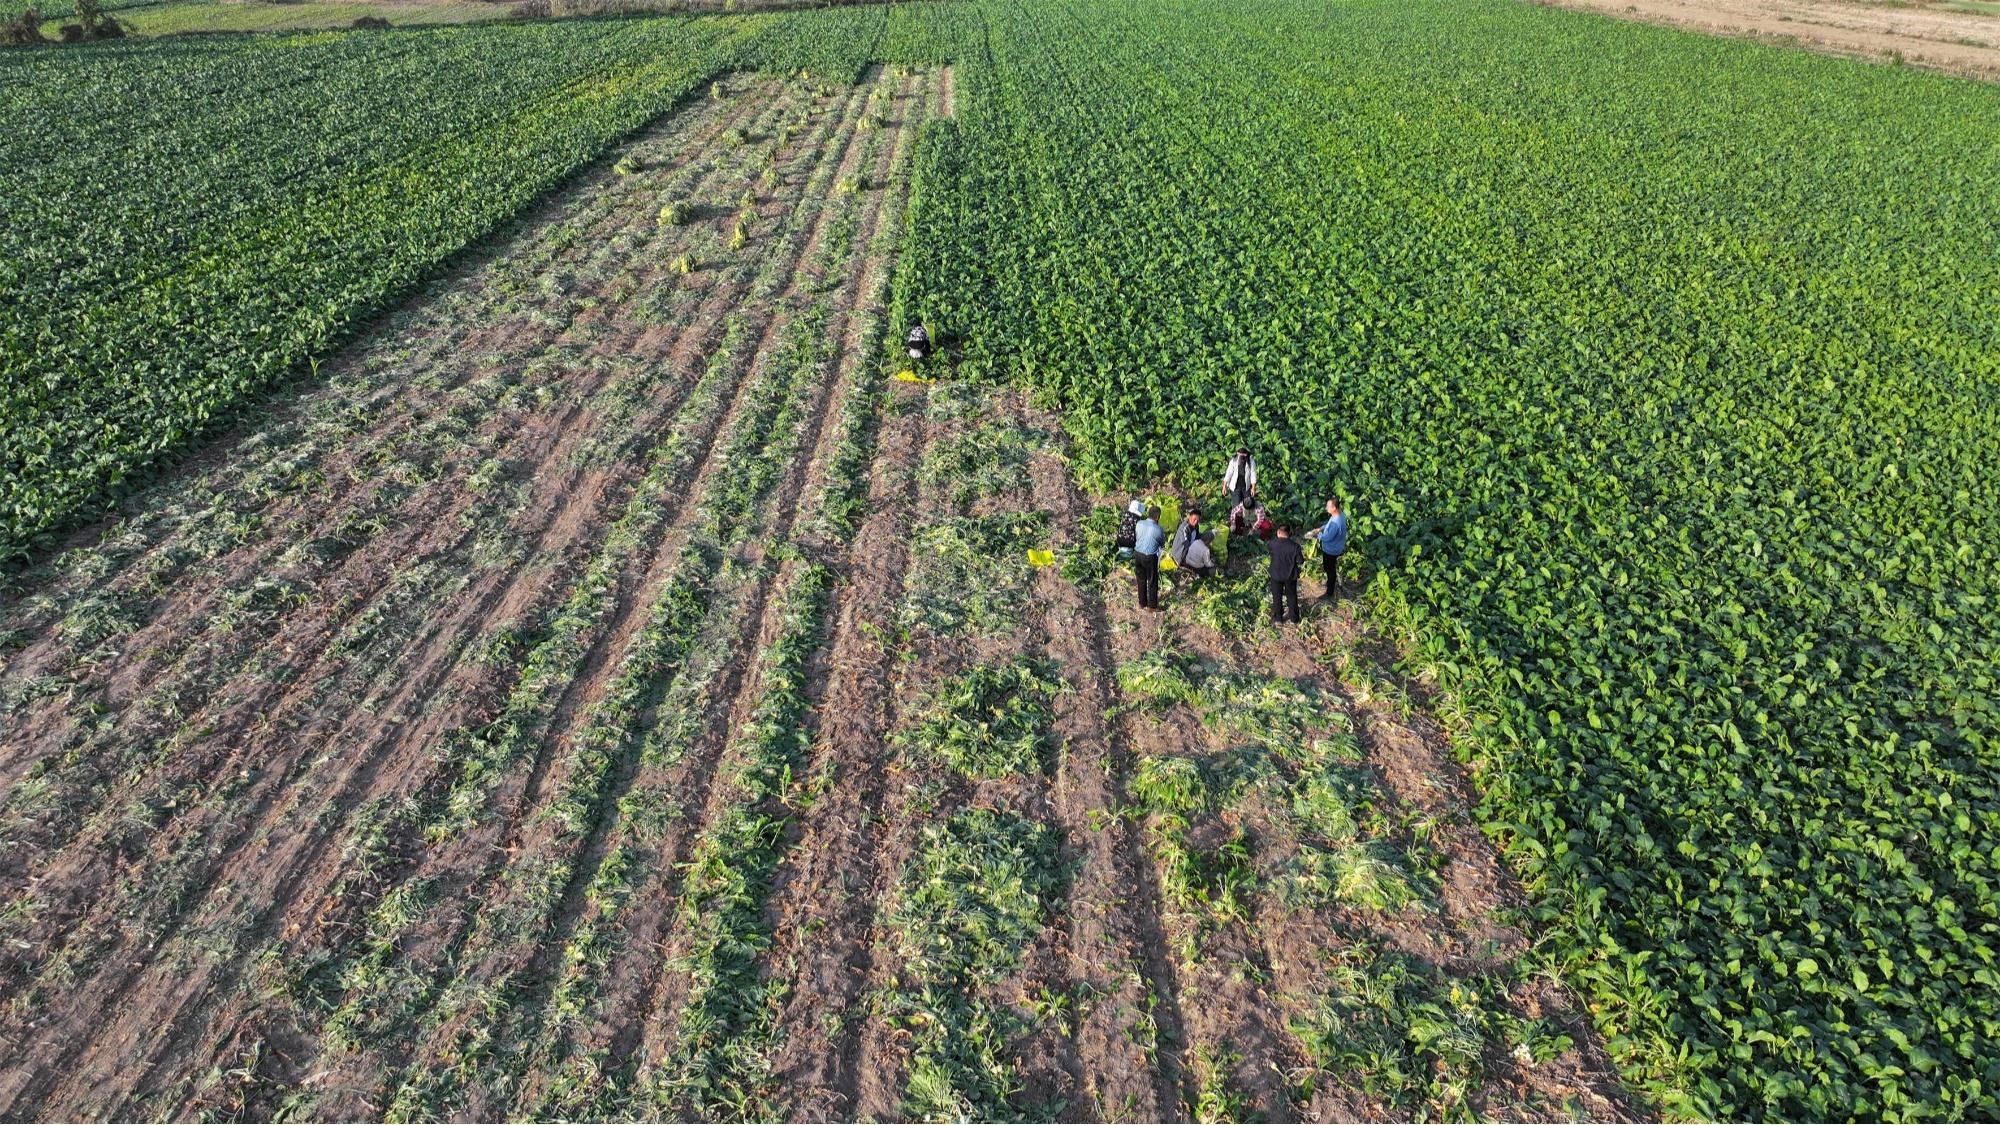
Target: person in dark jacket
point(1199, 563)
point(1286, 558)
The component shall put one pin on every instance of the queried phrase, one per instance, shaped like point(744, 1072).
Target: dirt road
point(1956, 40)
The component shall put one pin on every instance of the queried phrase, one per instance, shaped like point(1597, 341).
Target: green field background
point(1659, 372)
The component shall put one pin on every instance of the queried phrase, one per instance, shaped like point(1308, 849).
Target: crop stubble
point(471, 575)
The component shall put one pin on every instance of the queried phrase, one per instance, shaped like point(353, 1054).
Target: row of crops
point(197, 219)
point(1660, 372)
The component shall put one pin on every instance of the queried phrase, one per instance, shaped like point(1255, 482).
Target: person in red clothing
point(1261, 526)
point(1286, 558)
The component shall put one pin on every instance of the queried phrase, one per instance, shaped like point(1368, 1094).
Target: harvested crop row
point(373, 847)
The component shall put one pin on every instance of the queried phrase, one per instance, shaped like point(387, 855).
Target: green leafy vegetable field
point(1661, 373)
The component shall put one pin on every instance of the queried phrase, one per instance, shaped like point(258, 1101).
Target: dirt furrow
point(661, 988)
point(523, 850)
point(818, 962)
point(642, 420)
point(855, 1012)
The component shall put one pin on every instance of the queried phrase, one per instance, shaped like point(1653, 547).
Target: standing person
point(1286, 559)
point(1147, 539)
point(1239, 477)
point(1187, 537)
point(1332, 536)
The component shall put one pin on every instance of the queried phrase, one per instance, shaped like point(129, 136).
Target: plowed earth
point(513, 723)
point(1936, 36)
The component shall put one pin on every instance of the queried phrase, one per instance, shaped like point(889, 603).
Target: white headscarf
point(1137, 508)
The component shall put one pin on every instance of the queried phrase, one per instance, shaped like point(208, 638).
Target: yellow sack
point(1041, 558)
point(912, 377)
point(1166, 562)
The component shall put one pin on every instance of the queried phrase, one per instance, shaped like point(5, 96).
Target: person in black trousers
point(1147, 541)
point(1332, 536)
point(1286, 558)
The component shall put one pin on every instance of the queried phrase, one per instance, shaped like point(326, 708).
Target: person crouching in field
point(1189, 549)
point(1332, 536)
point(1286, 558)
point(1147, 539)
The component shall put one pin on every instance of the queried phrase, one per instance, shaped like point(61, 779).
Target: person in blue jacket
point(1332, 536)
point(1147, 539)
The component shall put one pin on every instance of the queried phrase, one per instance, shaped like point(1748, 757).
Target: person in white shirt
point(1239, 477)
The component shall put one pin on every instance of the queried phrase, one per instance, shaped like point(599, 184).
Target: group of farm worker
point(1188, 546)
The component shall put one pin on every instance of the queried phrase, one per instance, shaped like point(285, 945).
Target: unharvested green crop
point(1659, 375)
